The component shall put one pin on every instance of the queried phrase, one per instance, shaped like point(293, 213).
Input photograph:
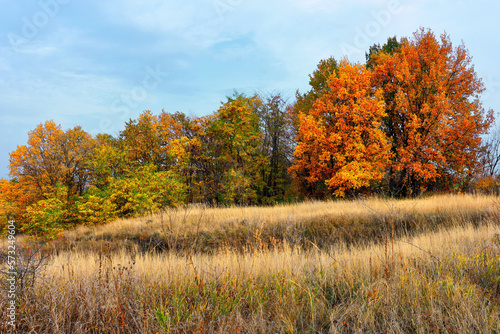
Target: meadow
point(363, 266)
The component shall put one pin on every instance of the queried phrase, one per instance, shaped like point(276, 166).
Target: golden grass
point(443, 279)
point(280, 259)
point(310, 224)
point(198, 218)
point(423, 286)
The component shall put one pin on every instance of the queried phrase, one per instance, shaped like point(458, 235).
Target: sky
point(98, 64)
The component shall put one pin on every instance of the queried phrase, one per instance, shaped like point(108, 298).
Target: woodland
point(408, 121)
point(369, 204)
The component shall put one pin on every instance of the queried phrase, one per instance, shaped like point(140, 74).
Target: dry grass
point(280, 259)
point(207, 230)
point(198, 218)
point(446, 280)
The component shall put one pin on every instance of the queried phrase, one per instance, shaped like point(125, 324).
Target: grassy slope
point(444, 276)
point(205, 230)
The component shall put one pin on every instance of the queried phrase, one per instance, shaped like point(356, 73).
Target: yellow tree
point(143, 141)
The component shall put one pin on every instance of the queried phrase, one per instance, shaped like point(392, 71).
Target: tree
point(109, 159)
point(391, 46)
point(195, 162)
point(143, 142)
point(182, 146)
point(340, 142)
point(51, 171)
point(318, 81)
point(75, 145)
point(491, 155)
point(40, 161)
point(488, 179)
point(50, 215)
point(144, 189)
point(235, 153)
point(303, 106)
point(434, 116)
point(278, 143)
point(53, 156)
point(15, 197)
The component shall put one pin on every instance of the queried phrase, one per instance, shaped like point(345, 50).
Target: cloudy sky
point(99, 63)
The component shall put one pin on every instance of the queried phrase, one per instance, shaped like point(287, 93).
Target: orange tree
point(15, 197)
point(433, 119)
point(434, 116)
point(340, 140)
point(303, 105)
point(53, 156)
point(39, 162)
point(48, 174)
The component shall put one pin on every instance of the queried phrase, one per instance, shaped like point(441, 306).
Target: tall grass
point(446, 279)
point(198, 218)
point(203, 229)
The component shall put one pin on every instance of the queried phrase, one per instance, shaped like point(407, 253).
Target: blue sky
point(99, 63)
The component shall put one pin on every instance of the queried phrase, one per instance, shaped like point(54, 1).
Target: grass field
point(429, 265)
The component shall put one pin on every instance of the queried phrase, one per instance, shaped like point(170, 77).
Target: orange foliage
point(52, 156)
point(341, 142)
point(413, 115)
point(38, 163)
point(14, 198)
point(434, 115)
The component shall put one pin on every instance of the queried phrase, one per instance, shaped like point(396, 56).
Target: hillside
point(328, 267)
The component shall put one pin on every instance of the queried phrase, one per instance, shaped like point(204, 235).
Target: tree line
point(408, 120)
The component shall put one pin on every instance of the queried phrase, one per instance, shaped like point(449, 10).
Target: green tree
point(144, 189)
point(234, 137)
